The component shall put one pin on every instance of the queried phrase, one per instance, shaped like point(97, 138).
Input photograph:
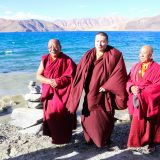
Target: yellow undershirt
point(144, 68)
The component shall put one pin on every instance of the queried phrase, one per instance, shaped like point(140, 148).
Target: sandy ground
point(17, 146)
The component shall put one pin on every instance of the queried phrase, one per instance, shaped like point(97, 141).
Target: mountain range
point(83, 24)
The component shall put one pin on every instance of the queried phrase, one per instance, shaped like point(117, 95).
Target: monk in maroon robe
point(102, 74)
point(56, 73)
point(143, 87)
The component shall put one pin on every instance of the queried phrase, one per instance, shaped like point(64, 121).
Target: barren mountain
point(91, 24)
point(31, 25)
point(83, 24)
point(150, 23)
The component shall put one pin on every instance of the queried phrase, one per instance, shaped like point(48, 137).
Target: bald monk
point(102, 74)
point(143, 87)
point(56, 72)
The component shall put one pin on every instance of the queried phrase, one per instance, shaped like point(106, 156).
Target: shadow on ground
point(79, 150)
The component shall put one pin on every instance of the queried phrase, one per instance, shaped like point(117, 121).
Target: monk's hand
point(134, 90)
point(101, 89)
point(53, 83)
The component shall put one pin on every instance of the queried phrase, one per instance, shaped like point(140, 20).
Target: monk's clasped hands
point(101, 89)
point(53, 83)
point(134, 90)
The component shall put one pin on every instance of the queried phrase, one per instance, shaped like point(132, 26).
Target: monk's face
point(54, 47)
point(100, 43)
point(145, 54)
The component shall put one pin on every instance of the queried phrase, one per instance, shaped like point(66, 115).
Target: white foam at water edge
point(8, 52)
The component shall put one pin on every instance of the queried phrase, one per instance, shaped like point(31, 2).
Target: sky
point(51, 10)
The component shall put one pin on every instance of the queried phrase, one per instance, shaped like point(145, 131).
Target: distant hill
point(92, 24)
point(83, 24)
point(31, 25)
point(147, 24)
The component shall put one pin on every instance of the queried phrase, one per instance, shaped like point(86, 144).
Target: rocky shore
point(15, 145)
point(27, 143)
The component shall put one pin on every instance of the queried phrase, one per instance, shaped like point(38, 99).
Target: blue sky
point(68, 9)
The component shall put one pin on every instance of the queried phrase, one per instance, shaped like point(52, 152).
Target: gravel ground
point(17, 146)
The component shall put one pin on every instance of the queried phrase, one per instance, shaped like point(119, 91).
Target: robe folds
point(57, 121)
point(97, 115)
point(145, 126)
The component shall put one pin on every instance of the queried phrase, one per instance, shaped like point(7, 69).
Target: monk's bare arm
point(40, 76)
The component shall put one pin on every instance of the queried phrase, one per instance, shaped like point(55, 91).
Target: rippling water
point(22, 51)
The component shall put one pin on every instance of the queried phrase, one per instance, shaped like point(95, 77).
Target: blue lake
point(21, 52)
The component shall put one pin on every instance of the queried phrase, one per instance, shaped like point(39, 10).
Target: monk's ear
point(151, 56)
point(59, 44)
point(107, 42)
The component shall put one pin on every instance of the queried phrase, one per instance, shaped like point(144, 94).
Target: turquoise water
point(21, 52)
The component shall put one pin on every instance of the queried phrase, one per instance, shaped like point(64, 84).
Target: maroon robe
point(57, 121)
point(145, 126)
point(108, 72)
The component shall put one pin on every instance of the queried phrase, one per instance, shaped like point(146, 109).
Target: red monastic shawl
point(149, 95)
point(62, 70)
point(57, 121)
point(114, 76)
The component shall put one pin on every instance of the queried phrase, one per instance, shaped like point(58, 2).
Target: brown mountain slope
point(150, 23)
point(83, 24)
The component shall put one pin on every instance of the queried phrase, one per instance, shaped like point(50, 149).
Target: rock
point(34, 88)
point(2, 138)
point(13, 151)
point(122, 115)
point(36, 105)
point(26, 117)
point(32, 97)
point(4, 105)
point(17, 98)
point(32, 83)
point(32, 130)
point(11, 101)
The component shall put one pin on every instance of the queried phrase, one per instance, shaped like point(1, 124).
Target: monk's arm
point(40, 77)
point(129, 83)
point(116, 84)
point(67, 76)
point(63, 81)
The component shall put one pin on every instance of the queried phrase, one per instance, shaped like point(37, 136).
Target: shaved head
point(146, 53)
point(54, 42)
point(147, 48)
point(54, 47)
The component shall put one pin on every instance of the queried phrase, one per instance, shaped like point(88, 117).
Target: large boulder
point(26, 117)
